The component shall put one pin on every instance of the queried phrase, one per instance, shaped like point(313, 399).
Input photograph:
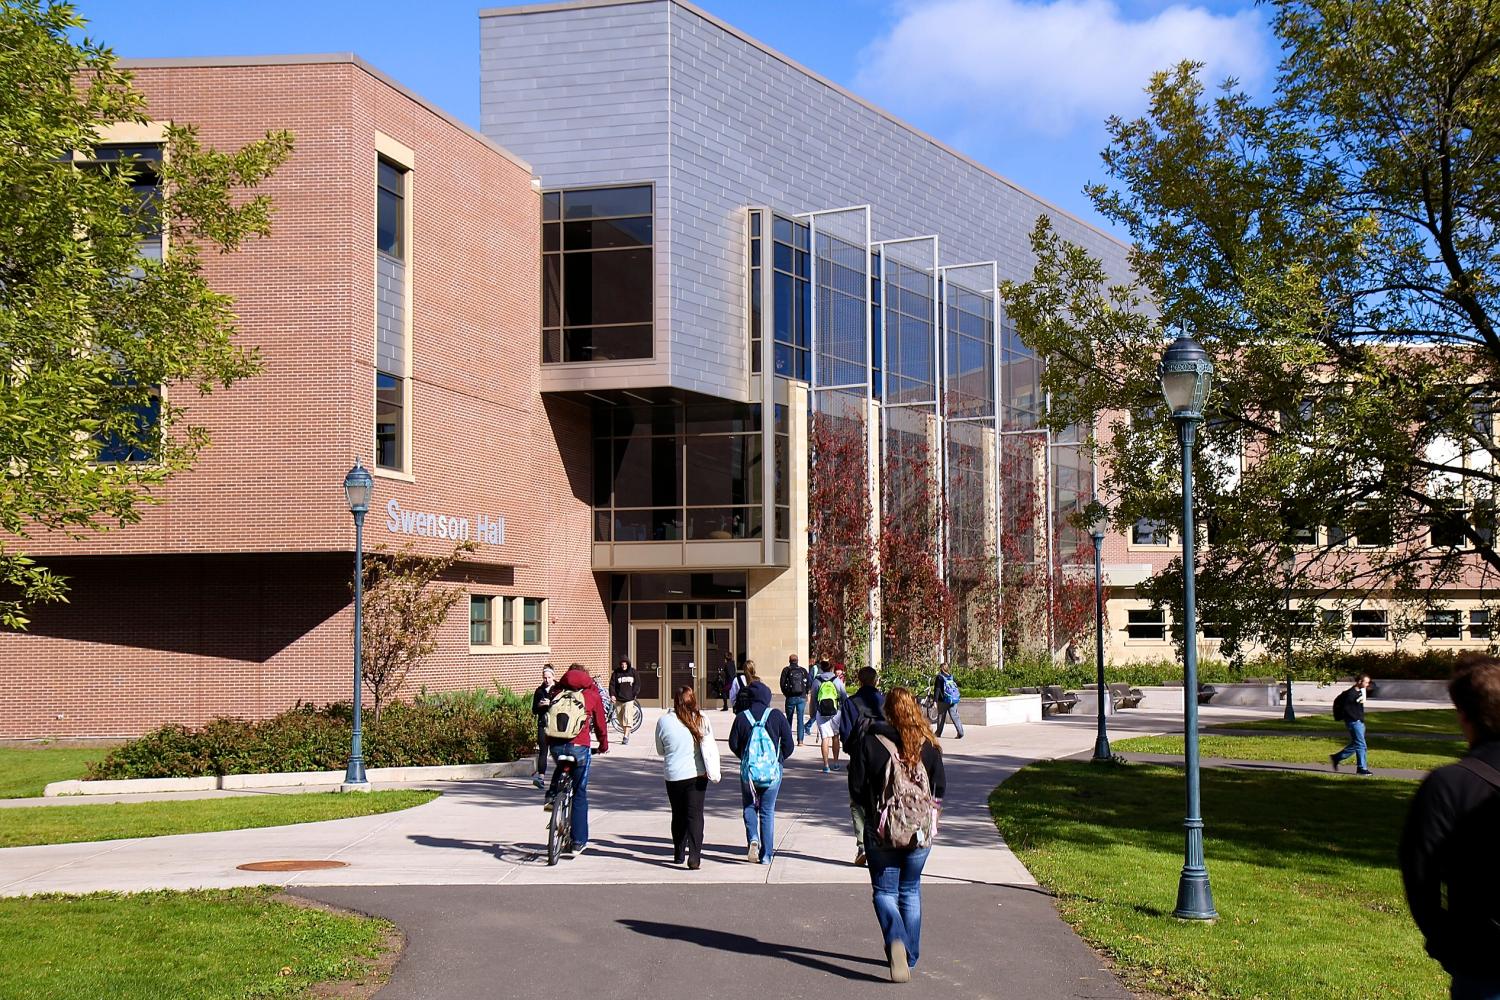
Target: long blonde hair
point(912, 730)
point(685, 707)
point(751, 674)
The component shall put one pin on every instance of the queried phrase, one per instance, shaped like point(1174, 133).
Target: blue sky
point(1023, 86)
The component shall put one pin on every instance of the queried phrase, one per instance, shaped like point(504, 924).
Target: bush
point(433, 730)
point(1426, 664)
point(1040, 671)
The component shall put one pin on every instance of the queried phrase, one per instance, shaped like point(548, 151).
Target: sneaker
point(694, 865)
point(900, 971)
point(625, 741)
point(539, 781)
point(836, 767)
point(1366, 772)
point(859, 859)
point(577, 849)
point(547, 806)
point(1333, 759)
point(827, 769)
point(753, 854)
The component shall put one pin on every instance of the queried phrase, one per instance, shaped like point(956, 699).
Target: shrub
point(433, 730)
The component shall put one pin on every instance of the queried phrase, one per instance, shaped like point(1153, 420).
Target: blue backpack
point(760, 767)
point(950, 690)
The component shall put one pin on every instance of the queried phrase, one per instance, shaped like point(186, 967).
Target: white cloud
point(1049, 66)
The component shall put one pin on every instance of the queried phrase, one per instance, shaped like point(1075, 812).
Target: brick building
point(404, 250)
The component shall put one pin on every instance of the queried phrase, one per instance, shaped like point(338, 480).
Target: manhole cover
point(291, 866)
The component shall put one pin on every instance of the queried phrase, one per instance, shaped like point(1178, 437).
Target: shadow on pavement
point(740, 944)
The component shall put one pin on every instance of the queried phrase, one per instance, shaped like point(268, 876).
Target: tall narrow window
point(481, 619)
point(597, 275)
point(391, 387)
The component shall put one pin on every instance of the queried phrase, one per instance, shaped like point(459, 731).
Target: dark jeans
point(686, 797)
point(760, 818)
point(1356, 747)
point(896, 888)
point(541, 746)
point(949, 711)
point(797, 703)
point(580, 788)
point(1469, 988)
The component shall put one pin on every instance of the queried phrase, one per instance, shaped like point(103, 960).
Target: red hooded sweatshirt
point(581, 680)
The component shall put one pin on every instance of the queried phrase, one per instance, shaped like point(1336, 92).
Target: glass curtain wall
point(597, 280)
point(908, 315)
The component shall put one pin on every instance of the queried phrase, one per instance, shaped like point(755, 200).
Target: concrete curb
point(289, 779)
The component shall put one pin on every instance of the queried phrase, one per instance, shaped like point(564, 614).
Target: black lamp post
point(358, 486)
point(1290, 713)
point(1186, 373)
point(1098, 526)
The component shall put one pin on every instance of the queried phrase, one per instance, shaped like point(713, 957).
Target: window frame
point(1160, 623)
point(507, 624)
point(1380, 626)
point(394, 154)
point(487, 602)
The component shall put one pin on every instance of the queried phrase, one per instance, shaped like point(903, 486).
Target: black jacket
point(622, 684)
point(873, 758)
point(541, 700)
point(776, 725)
point(1353, 708)
point(1451, 831)
point(866, 703)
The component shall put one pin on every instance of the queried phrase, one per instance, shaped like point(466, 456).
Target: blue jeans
point(1469, 988)
point(760, 818)
point(1356, 747)
point(798, 704)
point(896, 884)
point(580, 789)
point(949, 711)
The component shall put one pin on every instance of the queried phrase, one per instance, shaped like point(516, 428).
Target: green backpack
point(828, 699)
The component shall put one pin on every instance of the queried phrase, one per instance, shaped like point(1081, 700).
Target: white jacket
point(683, 758)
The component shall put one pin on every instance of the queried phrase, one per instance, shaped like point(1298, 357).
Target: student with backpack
point(762, 739)
point(794, 685)
point(574, 718)
point(901, 788)
point(1349, 708)
point(685, 741)
point(860, 710)
point(622, 688)
point(739, 691)
point(945, 692)
point(828, 698)
point(541, 700)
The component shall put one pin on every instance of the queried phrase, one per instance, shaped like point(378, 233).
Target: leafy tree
point(916, 607)
point(403, 611)
point(97, 340)
point(840, 558)
point(1336, 250)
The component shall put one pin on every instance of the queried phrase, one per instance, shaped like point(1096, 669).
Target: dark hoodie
point(577, 679)
point(777, 727)
point(622, 683)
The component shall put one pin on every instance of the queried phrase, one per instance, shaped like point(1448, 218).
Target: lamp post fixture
point(1186, 373)
point(358, 486)
point(1289, 713)
point(1098, 526)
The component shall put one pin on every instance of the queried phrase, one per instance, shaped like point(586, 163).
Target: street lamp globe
point(1098, 516)
point(1186, 375)
point(358, 485)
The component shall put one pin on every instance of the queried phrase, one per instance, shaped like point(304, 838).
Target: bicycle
point(560, 820)
point(634, 716)
point(930, 708)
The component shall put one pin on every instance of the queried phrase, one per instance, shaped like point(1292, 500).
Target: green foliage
point(403, 611)
point(1303, 869)
point(213, 945)
point(1337, 249)
point(57, 824)
point(432, 731)
point(90, 329)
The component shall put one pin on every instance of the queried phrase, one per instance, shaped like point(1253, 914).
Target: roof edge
point(321, 59)
point(565, 5)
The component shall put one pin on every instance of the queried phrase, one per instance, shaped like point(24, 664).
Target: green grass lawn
point(25, 771)
point(27, 825)
point(1303, 870)
point(1420, 755)
point(1421, 721)
point(177, 946)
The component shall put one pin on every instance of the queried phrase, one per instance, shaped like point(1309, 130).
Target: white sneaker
point(753, 854)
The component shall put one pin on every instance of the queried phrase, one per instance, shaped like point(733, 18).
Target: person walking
point(726, 677)
point(622, 688)
point(1447, 845)
point(580, 689)
point(1349, 708)
point(739, 691)
point(541, 700)
point(862, 708)
point(945, 692)
point(690, 757)
point(794, 685)
point(901, 787)
point(828, 698)
point(762, 739)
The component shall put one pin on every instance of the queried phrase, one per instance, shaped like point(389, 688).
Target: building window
point(1146, 623)
point(791, 288)
point(481, 620)
point(532, 627)
point(1443, 623)
point(140, 442)
point(757, 256)
point(1366, 529)
point(1149, 532)
point(1367, 623)
point(507, 622)
point(597, 275)
point(1479, 623)
point(391, 320)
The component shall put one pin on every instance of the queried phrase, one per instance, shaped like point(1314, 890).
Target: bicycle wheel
point(934, 712)
point(636, 716)
point(567, 820)
point(558, 823)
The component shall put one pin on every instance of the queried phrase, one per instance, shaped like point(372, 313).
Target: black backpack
point(742, 702)
point(1340, 713)
point(793, 681)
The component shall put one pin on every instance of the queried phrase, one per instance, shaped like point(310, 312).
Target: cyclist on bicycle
point(622, 688)
point(578, 679)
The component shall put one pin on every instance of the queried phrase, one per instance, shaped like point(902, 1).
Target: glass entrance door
point(717, 642)
point(645, 654)
point(668, 655)
point(685, 659)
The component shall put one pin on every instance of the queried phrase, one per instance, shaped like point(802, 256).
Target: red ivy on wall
point(841, 559)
